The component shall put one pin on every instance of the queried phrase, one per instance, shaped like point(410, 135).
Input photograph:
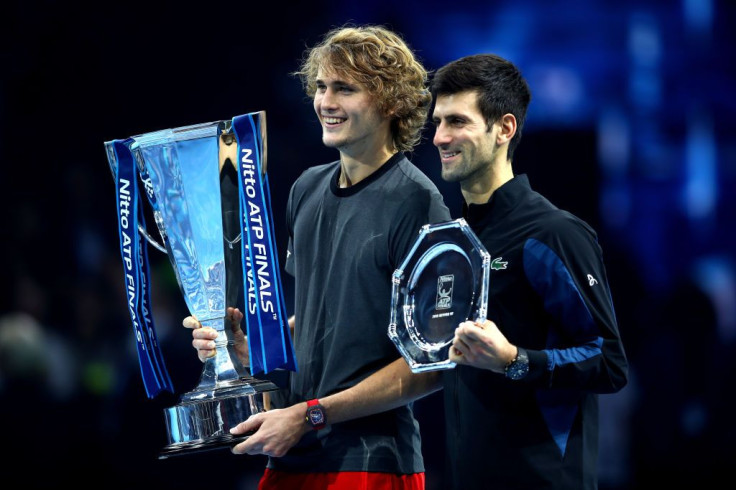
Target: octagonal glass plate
point(442, 282)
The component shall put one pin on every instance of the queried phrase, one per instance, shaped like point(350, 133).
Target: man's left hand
point(481, 345)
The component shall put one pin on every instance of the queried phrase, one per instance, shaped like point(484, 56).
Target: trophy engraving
point(442, 282)
point(444, 291)
point(208, 190)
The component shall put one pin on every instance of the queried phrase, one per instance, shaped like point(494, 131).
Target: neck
point(479, 190)
point(353, 170)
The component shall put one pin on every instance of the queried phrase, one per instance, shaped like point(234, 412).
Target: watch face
point(518, 370)
point(316, 416)
point(519, 367)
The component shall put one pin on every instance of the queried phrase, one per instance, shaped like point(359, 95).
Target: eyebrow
point(452, 115)
point(337, 82)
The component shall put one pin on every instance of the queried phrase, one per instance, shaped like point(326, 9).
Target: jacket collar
point(501, 202)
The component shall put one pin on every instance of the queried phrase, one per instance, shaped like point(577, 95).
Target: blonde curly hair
point(380, 60)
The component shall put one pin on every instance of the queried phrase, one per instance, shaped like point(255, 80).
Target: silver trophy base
point(203, 419)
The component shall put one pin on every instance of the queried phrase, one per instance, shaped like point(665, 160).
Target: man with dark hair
point(346, 420)
point(522, 404)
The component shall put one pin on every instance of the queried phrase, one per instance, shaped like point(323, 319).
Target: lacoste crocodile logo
point(497, 264)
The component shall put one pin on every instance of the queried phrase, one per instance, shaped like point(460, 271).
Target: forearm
point(598, 367)
point(392, 386)
point(277, 431)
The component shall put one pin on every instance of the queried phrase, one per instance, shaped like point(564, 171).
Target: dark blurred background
point(631, 127)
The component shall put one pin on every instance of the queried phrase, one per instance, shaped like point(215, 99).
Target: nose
point(327, 99)
point(441, 136)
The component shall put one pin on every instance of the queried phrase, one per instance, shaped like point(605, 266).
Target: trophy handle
point(112, 161)
point(150, 239)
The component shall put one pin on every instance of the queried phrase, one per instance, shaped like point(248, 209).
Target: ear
point(507, 123)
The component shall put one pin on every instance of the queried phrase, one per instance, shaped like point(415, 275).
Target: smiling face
point(350, 118)
point(467, 145)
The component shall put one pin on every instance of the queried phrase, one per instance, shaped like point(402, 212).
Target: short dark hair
point(500, 86)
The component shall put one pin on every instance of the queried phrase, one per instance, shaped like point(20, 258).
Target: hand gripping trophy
point(208, 190)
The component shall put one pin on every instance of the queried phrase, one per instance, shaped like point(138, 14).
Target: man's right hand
point(204, 337)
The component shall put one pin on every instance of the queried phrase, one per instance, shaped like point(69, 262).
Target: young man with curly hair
point(346, 419)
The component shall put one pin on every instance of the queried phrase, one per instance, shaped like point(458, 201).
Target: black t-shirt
point(344, 246)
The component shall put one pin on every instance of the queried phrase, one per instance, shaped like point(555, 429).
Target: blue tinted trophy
point(442, 282)
point(208, 191)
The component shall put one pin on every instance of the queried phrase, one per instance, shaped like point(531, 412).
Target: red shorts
point(343, 480)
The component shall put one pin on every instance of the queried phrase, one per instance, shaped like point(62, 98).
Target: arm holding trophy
point(279, 430)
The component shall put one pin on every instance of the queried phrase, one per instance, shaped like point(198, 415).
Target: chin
point(329, 143)
point(450, 176)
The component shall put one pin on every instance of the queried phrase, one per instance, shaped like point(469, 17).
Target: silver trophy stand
point(225, 396)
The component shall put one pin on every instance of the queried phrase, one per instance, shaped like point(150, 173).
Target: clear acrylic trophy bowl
point(184, 166)
point(442, 282)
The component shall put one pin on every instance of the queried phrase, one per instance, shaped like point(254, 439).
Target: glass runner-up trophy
point(208, 190)
point(442, 282)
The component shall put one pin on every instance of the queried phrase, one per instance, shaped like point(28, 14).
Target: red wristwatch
point(316, 415)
